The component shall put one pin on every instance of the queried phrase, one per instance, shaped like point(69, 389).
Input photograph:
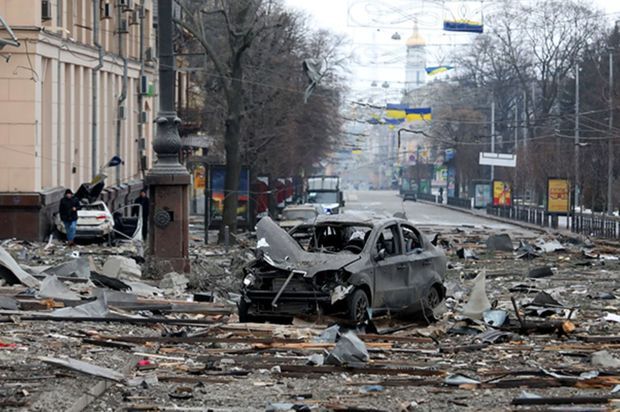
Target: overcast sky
point(370, 25)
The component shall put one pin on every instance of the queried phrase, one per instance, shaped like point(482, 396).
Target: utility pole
point(610, 145)
point(168, 180)
point(577, 186)
point(493, 133)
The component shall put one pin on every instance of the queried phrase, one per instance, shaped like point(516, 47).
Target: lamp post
point(610, 145)
point(168, 180)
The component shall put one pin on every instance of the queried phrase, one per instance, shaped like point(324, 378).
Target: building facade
point(76, 90)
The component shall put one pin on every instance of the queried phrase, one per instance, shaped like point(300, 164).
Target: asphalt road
point(417, 212)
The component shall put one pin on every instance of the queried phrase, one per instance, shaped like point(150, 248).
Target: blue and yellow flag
point(356, 151)
point(421, 113)
point(396, 111)
point(467, 26)
point(433, 70)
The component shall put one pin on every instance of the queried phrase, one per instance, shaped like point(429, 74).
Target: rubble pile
point(535, 325)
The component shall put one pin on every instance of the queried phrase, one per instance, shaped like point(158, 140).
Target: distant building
point(48, 136)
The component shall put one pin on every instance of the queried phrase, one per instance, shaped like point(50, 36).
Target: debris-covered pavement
point(88, 329)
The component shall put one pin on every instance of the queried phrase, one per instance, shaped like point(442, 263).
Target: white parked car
point(95, 221)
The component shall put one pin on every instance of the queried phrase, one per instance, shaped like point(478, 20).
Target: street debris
point(478, 301)
point(500, 243)
point(118, 340)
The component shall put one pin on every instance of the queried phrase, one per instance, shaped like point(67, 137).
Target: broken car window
point(388, 240)
point(336, 238)
point(411, 239)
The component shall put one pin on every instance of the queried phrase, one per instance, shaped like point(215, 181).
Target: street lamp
point(168, 180)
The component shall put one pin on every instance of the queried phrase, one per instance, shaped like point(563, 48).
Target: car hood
point(281, 251)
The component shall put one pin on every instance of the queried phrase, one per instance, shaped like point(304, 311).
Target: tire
point(358, 305)
point(433, 298)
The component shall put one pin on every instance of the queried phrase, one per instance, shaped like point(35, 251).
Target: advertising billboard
point(502, 195)
point(482, 195)
point(558, 196)
point(218, 176)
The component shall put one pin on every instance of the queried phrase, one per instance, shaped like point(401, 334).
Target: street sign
point(498, 159)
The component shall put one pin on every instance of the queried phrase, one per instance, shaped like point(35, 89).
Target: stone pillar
point(168, 180)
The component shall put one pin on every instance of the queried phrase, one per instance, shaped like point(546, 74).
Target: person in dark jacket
point(68, 208)
point(143, 201)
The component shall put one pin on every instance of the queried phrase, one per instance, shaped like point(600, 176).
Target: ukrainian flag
point(356, 151)
point(467, 26)
point(422, 113)
point(396, 111)
point(433, 70)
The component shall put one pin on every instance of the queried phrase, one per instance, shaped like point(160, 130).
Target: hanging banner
point(558, 196)
point(502, 195)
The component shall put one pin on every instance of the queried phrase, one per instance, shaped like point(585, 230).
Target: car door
point(390, 269)
point(419, 265)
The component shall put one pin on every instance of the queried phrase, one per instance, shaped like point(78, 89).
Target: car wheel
point(433, 299)
point(358, 306)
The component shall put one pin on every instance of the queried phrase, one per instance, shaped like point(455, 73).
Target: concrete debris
point(174, 282)
point(85, 367)
point(11, 272)
point(495, 318)
point(143, 290)
point(79, 267)
point(95, 309)
point(500, 243)
point(349, 350)
point(53, 288)
point(121, 267)
point(478, 301)
point(605, 360)
point(458, 380)
point(316, 359)
point(541, 272)
point(549, 246)
point(463, 253)
point(8, 302)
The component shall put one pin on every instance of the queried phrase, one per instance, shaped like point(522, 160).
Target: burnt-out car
point(342, 265)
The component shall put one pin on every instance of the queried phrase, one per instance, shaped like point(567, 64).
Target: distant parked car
point(294, 215)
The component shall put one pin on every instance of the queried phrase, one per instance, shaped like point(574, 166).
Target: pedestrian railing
point(428, 197)
point(459, 202)
point(589, 224)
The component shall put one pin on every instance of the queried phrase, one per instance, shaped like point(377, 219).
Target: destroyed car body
point(345, 265)
point(294, 215)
